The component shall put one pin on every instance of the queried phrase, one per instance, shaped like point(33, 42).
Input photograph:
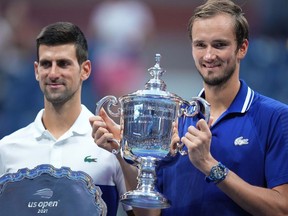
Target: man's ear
point(85, 69)
point(243, 49)
point(36, 70)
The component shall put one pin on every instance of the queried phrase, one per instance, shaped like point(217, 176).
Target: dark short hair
point(60, 33)
point(214, 7)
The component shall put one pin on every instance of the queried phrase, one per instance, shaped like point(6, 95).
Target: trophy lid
point(156, 83)
point(155, 87)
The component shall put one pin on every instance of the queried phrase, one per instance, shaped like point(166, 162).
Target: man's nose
point(54, 71)
point(210, 54)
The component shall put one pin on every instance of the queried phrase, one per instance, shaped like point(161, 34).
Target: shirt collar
point(81, 126)
point(242, 101)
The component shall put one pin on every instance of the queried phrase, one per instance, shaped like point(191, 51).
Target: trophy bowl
point(146, 119)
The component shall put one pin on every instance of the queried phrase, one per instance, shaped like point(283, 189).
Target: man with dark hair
point(61, 134)
point(237, 164)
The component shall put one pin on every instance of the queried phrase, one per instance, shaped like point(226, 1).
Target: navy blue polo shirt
point(250, 138)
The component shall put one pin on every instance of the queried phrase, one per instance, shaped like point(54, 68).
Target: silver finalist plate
point(46, 190)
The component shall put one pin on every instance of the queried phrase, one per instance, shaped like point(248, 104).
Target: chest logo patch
point(88, 159)
point(241, 141)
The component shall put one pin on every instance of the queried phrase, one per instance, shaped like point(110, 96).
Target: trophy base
point(140, 199)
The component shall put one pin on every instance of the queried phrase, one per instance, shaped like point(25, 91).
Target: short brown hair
point(214, 7)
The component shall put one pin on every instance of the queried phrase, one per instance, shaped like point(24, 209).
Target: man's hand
point(174, 140)
point(104, 129)
point(198, 142)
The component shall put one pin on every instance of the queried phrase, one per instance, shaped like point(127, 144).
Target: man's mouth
point(210, 66)
point(55, 85)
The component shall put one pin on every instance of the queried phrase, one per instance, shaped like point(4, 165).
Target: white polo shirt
point(34, 145)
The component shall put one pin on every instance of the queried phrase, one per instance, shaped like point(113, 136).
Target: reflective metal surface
point(50, 191)
point(146, 119)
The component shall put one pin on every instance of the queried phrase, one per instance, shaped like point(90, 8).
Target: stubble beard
point(219, 80)
point(58, 98)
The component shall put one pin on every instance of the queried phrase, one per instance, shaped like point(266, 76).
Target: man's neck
point(59, 119)
point(220, 98)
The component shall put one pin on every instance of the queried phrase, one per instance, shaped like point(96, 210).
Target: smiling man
point(61, 133)
point(238, 163)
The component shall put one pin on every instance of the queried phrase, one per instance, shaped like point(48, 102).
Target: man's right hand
point(104, 129)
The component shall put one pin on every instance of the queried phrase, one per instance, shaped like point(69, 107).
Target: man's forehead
point(209, 29)
point(59, 51)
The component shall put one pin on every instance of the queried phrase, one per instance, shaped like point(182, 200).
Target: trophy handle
point(204, 107)
point(197, 108)
point(111, 101)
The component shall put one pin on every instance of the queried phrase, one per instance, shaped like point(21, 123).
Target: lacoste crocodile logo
point(241, 141)
point(89, 159)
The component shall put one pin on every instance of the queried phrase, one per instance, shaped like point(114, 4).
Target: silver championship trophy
point(146, 119)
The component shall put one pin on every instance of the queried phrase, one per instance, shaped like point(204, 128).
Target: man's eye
point(45, 64)
point(63, 63)
point(220, 45)
point(199, 45)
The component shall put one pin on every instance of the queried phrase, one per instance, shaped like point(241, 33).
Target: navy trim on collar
point(242, 101)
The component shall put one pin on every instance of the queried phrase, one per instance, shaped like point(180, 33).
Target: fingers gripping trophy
point(146, 119)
